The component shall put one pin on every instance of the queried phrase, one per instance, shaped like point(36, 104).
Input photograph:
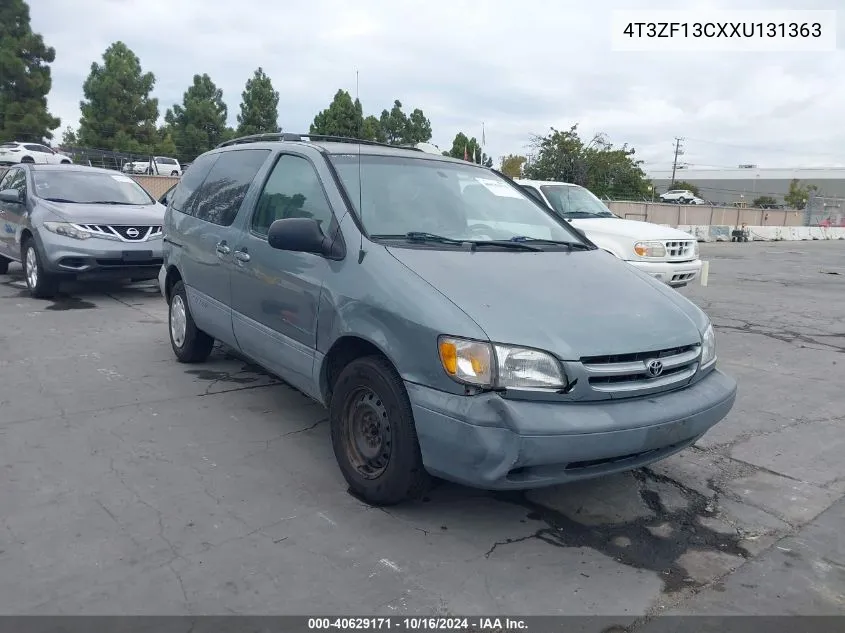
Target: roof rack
point(288, 136)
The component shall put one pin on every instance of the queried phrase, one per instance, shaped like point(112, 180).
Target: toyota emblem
point(654, 368)
point(132, 232)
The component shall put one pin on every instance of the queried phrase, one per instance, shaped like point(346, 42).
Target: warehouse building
point(744, 184)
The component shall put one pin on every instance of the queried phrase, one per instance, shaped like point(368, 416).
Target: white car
point(665, 253)
point(682, 196)
point(16, 152)
point(159, 166)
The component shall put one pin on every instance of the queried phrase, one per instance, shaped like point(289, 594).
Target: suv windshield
point(402, 195)
point(572, 201)
point(86, 187)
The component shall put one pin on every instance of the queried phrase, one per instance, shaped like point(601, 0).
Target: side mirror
point(12, 196)
point(302, 235)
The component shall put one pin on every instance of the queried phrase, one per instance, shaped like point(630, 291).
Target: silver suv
point(451, 324)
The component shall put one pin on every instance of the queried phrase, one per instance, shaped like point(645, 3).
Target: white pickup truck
point(665, 253)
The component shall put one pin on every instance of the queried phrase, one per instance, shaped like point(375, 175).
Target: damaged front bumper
point(487, 441)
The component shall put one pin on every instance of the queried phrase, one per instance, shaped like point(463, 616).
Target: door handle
point(242, 256)
point(222, 249)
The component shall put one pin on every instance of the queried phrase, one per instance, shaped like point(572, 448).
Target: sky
point(519, 68)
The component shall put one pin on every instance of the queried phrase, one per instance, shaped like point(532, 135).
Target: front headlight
point(499, 366)
point(67, 230)
point(708, 347)
point(650, 249)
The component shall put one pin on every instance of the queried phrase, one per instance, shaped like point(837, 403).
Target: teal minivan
point(450, 323)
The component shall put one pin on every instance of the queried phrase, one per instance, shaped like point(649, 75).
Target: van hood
point(633, 229)
point(118, 214)
point(573, 304)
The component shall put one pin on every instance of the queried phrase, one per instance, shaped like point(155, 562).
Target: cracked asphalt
point(131, 484)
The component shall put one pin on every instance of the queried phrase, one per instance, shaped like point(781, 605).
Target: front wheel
point(189, 343)
point(373, 433)
point(41, 284)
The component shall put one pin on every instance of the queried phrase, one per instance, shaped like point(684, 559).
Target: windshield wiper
point(522, 239)
point(65, 200)
point(131, 204)
point(422, 236)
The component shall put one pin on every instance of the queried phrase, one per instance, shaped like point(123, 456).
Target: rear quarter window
point(184, 197)
point(220, 197)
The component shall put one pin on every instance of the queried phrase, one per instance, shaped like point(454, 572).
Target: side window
point(34, 148)
point(293, 190)
point(15, 179)
point(184, 196)
point(45, 149)
point(6, 179)
point(220, 197)
point(531, 191)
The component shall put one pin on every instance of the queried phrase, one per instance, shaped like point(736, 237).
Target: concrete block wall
point(702, 215)
point(722, 233)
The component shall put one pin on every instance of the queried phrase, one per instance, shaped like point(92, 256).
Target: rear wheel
point(41, 284)
point(189, 343)
point(373, 433)
point(174, 173)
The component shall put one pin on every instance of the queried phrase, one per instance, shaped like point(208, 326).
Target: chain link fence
point(824, 211)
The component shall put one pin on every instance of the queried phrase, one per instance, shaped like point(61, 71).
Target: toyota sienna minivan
point(450, 323)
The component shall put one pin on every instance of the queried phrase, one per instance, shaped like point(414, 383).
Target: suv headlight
point(650, 249)
point(708, 347)
point(499, 366)
point(67, 230)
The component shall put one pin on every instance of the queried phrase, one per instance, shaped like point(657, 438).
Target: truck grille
point(635, 374)
point(125, 233)
point(681, 250)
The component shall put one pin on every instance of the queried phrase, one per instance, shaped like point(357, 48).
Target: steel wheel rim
point(368, 437)
point(31, 267)
point(178, 321)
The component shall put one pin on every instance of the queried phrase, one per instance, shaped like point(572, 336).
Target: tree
point(683, 184)
point(69, 138)
point(605, 170)
point(764, 202)
point(373, 130)
point(118, 112)
point(798, 194)
point(512, 165)
point(199, 124)
point(401, 129)
point(166, 146)
point(25, 79)
point(259, 106)
point(343, 117)
point(469, 149)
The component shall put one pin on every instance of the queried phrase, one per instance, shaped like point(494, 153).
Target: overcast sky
point(520, 67)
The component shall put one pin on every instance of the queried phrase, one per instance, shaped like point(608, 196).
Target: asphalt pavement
point(132, 484)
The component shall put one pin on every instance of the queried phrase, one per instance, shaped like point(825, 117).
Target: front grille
point(125, 233)
point(629, 375)
point(154, 262)
point(680, 249)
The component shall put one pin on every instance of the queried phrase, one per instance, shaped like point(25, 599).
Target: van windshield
point(396, 195)
point(571, 202)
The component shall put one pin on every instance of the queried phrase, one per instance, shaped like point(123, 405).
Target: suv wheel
point(41, 284)
point(373, 433)
point(190, 344)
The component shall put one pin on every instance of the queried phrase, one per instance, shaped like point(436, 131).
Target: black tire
point(174, 173)
point(65, 162)
point(41, 285)
point(27, 159)
point(196, 344)
point(370, 386)
point(4, 265)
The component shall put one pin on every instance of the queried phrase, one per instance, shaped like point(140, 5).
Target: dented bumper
point(491, 442)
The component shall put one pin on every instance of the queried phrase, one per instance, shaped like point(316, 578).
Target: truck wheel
point(189, 343)
point(41, 284)
point(373, 433)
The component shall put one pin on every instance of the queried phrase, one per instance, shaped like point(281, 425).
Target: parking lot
point(132, 484)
